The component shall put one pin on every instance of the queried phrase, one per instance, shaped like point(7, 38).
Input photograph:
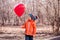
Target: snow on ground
point(17, 33)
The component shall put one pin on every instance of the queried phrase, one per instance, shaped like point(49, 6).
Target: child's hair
point(33, 17)
point(36, 17)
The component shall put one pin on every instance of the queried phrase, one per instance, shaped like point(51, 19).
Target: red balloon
point(19, 9)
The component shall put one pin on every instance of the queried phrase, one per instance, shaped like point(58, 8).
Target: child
point(30, 27)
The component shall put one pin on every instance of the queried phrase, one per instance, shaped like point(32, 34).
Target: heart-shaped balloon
point(19, 9)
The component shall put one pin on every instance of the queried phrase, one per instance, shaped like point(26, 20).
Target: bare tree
point(54, 20)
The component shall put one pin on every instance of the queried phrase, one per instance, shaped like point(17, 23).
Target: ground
point(17, 33)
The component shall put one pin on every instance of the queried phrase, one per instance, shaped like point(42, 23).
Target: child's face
point(29, 17)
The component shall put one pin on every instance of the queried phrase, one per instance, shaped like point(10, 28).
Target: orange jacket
point(30, 27)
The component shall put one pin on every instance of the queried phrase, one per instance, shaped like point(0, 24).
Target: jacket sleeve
point(34, 29)
point(24, 25)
